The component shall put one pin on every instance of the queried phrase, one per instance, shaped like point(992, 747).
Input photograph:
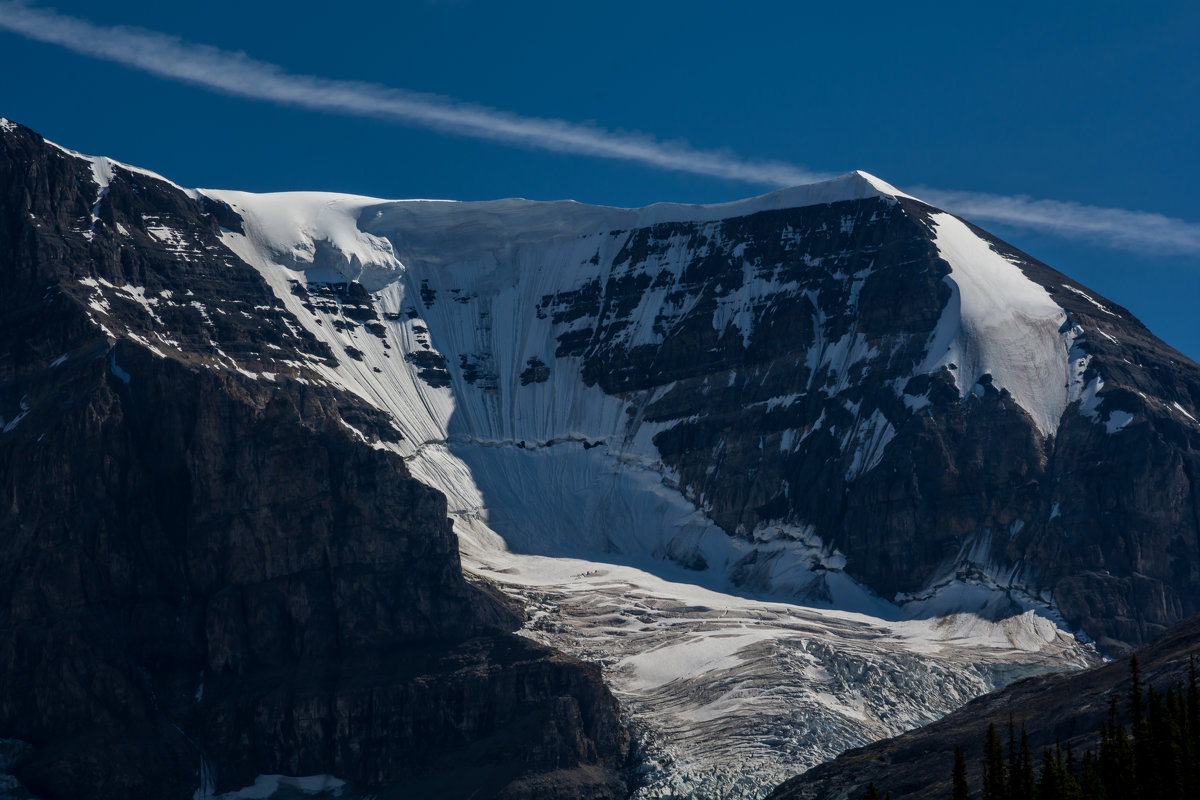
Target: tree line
point(1149, 750)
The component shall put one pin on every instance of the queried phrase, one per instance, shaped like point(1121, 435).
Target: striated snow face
point(559, 493)
point(999, 322)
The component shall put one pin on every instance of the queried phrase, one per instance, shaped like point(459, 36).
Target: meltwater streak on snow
point(1001, 323)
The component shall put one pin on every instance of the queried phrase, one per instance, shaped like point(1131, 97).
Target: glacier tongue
point(731, 695)
point(729, 691)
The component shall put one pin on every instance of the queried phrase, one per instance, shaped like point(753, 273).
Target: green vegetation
point(1157, 757)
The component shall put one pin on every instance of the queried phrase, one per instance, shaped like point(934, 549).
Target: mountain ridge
point(757, 404)
point(332, 239)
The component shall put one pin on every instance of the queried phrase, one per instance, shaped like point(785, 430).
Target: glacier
point(740, 659)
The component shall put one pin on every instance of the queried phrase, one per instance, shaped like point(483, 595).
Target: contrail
point(239, 75)
point(1112, 227)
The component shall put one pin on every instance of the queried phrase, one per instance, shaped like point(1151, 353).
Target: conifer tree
point(1024, 782)
point(1157, 757)
point(1013, 768)
point(1193, 698)
point(1069, 775)
point(1091, 786)
point(1116, 756)
point(961, 790)
point(993, 766)
point(1049, 784)
point(872, 792)
point(1136, 702)
point(1191, 746)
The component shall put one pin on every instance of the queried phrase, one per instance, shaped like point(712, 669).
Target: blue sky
point(1088, 103)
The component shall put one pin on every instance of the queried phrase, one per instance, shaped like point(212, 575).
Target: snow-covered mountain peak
point(831, 320)
point(518, 220)
point(881, 186)
point(856, 185)
point(300, 226)
point(645, 422)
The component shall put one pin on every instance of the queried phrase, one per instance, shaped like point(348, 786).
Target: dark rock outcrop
point(205, 573)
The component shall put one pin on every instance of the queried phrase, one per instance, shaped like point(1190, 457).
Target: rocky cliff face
point(207, 577)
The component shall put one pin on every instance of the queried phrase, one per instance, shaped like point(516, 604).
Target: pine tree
point(1049, 784)
point(961, 790)
point(1116, 756)
point(1191, 745)
point(1166, 722)
point(1155, 758)
point(993, 766)
point(1071, 788)
point(1193, 698)
point(1012, 782)
point(1091, 786)
point(1143, 766)
point(872, 792)
point(1137, 706)
point(1025, 782)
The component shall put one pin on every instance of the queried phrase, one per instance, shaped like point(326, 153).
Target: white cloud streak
point(1139, 231)
point(239, 75)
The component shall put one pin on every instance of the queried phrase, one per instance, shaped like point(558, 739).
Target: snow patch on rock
point(998, 322)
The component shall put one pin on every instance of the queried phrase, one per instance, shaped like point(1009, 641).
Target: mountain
point(1064, 709)
point(798, 472)
point(849, 385)
point(207, 578)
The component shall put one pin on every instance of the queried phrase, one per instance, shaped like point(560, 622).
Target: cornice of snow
point(857, 185)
